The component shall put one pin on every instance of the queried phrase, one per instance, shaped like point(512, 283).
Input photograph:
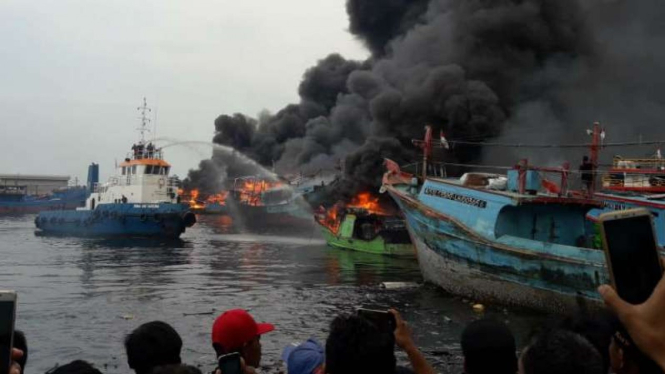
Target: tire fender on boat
point(189, 219)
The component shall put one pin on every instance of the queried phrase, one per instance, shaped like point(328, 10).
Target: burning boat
point(518, 239)
point(261, 201)
point(363, 226)
point(211, 204)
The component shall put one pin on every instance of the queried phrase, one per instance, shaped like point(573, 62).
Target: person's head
point(597, 329)
point(356, 345)
point(176, 369)
point(21, 343)
point(626, 358)
point(585, 159)
point(488, 347)
point(306, 358)
point(236, 331)
point(152, 344)
point(560, 351)
point(76, 367)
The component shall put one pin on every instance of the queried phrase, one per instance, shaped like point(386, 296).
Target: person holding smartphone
point(235, 331)
point(357, 344)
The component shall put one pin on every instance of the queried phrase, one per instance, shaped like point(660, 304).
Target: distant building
point(35, 184)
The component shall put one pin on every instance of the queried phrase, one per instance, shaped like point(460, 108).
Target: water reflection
point(74, 291)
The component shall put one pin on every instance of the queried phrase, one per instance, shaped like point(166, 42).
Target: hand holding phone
point(7, 318)
point(631, 253)
point(383, 319)
point(230, 363)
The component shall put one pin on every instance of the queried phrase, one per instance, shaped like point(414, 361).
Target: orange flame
point(366, 201)
point(332, 218)
point(219, 198)
point(250, 190)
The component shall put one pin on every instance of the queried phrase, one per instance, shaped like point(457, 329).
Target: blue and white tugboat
point(140, 200)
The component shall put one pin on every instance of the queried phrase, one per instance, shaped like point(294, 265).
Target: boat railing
point(638, 163)
point(145, 154)
point(128, 180)
point(434, 169)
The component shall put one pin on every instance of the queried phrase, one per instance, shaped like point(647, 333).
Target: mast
point(145, 120)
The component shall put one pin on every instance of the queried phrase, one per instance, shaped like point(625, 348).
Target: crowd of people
point(628, 339)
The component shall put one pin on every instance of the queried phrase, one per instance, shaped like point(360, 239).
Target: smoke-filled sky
point(72, 72)
point(524, 71)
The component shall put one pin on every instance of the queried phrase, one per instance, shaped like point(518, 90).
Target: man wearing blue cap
point(306, 358)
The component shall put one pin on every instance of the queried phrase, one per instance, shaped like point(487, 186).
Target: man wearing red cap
point(236, 331)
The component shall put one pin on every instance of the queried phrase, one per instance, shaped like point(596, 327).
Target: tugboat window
point(166, 170)
point(148, 169)
point(134, 169)
point(156, 170)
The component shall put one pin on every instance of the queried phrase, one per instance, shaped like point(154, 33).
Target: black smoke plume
point(518, 70)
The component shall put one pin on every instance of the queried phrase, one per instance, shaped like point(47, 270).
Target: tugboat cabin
point(143, 176)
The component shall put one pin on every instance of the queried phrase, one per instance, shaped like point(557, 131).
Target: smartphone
point(383, 319)
point(230, 363)
point(631, 253)
point(7, 318)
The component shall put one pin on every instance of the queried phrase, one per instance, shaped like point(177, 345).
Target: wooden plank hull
point(457, 257)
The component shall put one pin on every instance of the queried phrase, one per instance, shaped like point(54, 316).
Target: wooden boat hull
point(463, 262)
point(376, 246)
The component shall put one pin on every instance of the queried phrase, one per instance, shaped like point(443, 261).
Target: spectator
point(236, 331)
point(306, 358)
point(356, 345)
point(644, 322)
point(152, 344)
point(176, 369)
point(560, 351)
point(625, 358)
point(21, 343)
point(75, 367)
point(597, 329)
point(488, 347)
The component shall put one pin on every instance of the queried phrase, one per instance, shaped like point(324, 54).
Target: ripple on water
point(78, 298)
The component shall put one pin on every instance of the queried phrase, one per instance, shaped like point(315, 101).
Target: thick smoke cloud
point(514, 70)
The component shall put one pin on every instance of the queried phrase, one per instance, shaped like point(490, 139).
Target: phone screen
point(230, 364)
point(634, 257)
point(6, 333)
point(384, 320)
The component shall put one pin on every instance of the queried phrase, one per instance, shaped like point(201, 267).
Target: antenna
point(154, 129)
point(145, 121)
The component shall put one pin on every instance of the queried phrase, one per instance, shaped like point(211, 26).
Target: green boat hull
point(345, 239)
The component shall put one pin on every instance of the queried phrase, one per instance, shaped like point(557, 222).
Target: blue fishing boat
point(140, 200)
point(612, 201)
point(16, 200)
point(503, 238)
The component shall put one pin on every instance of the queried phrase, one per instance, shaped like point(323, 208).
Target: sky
point(73, 73)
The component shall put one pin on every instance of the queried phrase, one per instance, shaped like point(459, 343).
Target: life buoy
point(161, 183)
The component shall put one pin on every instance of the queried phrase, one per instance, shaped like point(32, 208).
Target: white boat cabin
point(143, 178)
